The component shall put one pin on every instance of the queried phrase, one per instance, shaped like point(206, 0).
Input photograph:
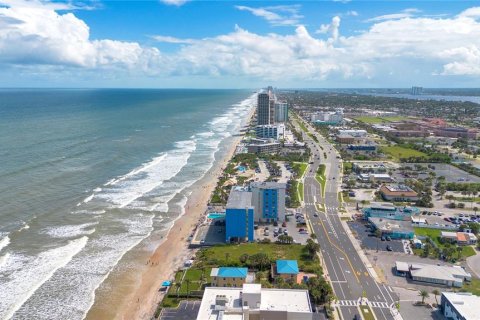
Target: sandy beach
point(137, 295)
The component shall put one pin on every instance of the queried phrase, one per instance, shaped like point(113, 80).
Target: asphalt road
point(349, 276)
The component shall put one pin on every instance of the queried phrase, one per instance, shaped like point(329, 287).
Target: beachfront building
point(266, 107)
point(268, 199)
point(285, 269)
point(451, 276)
point(281, 112)
point(270, 131)
point(398, 192)
point(254, 302)
point(263, 146)
point(460, 238)
point(460, 305)
point(228, 277)
point(239, 216)
point(389, 211)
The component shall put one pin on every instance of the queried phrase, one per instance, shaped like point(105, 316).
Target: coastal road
point(349, 276)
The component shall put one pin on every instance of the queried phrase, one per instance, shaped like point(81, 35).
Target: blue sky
point(177, 43)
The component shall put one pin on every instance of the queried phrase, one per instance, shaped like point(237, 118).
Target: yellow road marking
point(339, 249)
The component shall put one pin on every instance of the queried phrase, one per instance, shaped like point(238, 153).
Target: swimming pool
point(241, 168)
point(216, 215)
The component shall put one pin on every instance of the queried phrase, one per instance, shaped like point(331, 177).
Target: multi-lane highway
point(349, 276)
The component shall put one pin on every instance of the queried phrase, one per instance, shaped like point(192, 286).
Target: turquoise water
point(241, 168)
point(216, 215)
point(88, 175)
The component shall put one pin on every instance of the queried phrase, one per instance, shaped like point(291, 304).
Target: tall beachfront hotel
point(268, 199)
point(266, 107)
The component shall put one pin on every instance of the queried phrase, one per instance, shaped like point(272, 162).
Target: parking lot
point(368, 241)
point(290, 226)
point(186, 310)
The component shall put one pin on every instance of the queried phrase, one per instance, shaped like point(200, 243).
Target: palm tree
point(187, 281)
point(424, 294)
point(436, 292)
point(177, 286)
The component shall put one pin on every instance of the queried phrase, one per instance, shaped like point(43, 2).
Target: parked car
point(388, 238)
point(383, 238)
point(284, 224)
point(389, 248)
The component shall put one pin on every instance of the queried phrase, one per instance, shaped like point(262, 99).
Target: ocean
point(88, 175)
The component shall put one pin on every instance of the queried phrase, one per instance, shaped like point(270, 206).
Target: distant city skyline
point(239, 44)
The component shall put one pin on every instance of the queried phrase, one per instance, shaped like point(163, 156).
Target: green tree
point(424, 294)
point(243, 258)
point(312, 248)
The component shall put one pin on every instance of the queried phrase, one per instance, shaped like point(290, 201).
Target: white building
point(328, 116)
point(443, 274)
point(281, 112)
point(254, 302)
point(460, 306)
point(360, 133)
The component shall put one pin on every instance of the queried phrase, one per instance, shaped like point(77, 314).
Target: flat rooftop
point(268, 185)
point(465, 303)
point(239, 198)
point(289, 300)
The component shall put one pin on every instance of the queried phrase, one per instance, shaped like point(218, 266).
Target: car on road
point(383, 238)
point(388, 238)
point(284, 224)
point(389, 248)
point(315, 214)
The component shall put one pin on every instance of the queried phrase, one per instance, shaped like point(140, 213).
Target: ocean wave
point(146, 178)
point(25, 274)
point(69, 231)
point(5, 241)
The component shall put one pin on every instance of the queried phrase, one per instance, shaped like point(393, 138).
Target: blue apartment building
point(239, 216)
point(268, 199)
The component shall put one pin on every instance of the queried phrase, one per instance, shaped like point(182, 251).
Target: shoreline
point(138, 297)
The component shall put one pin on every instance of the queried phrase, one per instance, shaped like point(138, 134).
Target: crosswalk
point(354, 303)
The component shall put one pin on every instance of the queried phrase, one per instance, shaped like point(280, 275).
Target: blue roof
point(287, 266)
point(231, 272)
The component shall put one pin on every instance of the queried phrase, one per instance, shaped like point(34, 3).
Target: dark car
point(383, 238)
point(389, 248)
point(388, 238)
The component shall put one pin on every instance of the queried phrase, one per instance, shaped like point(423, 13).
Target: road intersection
point(350, 278)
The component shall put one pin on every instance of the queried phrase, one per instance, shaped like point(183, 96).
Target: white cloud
point(281, 15)
point(471, 13)
point(40, 35)
point(352, 13)
point(169, 39)
point(407, 13)
point(35, 39)
point(332, 28)
point(177, 3)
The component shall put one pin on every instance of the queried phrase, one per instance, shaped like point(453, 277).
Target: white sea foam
point(5, 241)
point(89, 198)
point(24, 227)
point(151, 175)
point(4, 259)
point(23, 275)
point(70, 230)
